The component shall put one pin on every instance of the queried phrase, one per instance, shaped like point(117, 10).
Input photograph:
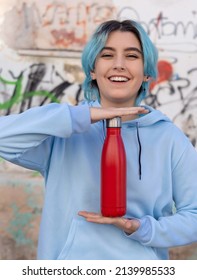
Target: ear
point(93, 75)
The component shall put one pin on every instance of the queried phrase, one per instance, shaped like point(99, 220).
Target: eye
point(106, 55)
point(132, 56)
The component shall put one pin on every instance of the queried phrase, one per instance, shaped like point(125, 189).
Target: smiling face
point(119, 70)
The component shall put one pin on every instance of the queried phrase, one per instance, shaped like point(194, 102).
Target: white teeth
point(119, 79)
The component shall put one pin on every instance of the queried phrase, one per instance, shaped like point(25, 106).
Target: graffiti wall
point(41, 44)
point(40, 49)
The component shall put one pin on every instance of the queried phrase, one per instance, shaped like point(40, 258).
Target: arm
point(23, 131)
point(181, 228)
point(24, 136)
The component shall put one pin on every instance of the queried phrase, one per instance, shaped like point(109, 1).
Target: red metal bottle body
point(113, 172)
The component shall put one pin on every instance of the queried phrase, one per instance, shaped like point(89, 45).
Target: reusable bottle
point(113, 171)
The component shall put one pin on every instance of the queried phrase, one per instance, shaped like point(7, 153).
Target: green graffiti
point(17, 93)
point(41, 93)
point(18, 96)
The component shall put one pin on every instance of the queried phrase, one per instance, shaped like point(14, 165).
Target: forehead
point(122, 39)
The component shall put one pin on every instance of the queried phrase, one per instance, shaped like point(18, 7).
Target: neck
point(108, 104)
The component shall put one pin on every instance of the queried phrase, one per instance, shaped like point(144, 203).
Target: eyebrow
point(127, 49)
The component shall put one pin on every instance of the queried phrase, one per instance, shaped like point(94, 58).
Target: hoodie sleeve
point(181, 227)
point(37, 126)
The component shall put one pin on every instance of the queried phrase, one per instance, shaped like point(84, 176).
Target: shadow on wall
point(21, 199)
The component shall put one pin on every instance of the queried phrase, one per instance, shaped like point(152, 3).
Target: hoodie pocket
point(84, 241)
point(71, 236)
point(89, 241)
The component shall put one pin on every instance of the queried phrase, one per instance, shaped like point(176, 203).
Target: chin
point(120, 102)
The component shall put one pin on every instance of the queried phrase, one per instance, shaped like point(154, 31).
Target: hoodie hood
point(151, 118)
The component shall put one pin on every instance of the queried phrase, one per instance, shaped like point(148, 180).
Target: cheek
point(101, 68)
point(137, 68)
point(102, 85)
point(139, 73)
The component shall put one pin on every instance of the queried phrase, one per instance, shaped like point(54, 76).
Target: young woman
point(64, 144)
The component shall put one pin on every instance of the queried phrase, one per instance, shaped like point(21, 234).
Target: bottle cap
point(115, 122)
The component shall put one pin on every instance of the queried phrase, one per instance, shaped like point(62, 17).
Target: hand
point(101, 113)
point(128, 226)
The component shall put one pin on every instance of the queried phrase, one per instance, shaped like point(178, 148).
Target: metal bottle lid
point(115, 122)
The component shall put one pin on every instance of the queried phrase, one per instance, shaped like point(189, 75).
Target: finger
point(90, 216)
point(88, 213)
point(127, 225)
point(128, 110)
point(96, 217)
point(107, 113)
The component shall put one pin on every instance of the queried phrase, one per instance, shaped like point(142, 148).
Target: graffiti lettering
point(70, 25)
point(181, 91)
point(23, 99)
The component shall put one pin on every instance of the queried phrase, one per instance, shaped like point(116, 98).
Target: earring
point(147, 78)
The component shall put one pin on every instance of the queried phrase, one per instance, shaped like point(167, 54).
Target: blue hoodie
point(59, 141)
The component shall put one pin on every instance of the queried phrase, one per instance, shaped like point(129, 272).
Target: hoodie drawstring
point(140, 151)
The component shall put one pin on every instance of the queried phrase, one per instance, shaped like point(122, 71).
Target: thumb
point(131, 226)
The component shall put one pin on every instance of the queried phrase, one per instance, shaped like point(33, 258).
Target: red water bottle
point(113, 171)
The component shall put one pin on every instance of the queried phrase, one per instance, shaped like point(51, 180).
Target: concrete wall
point(40, 50)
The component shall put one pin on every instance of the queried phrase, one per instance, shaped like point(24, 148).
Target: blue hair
point(98, 41)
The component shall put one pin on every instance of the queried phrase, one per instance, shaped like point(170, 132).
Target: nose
point(119, 68)
point(119, 64)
